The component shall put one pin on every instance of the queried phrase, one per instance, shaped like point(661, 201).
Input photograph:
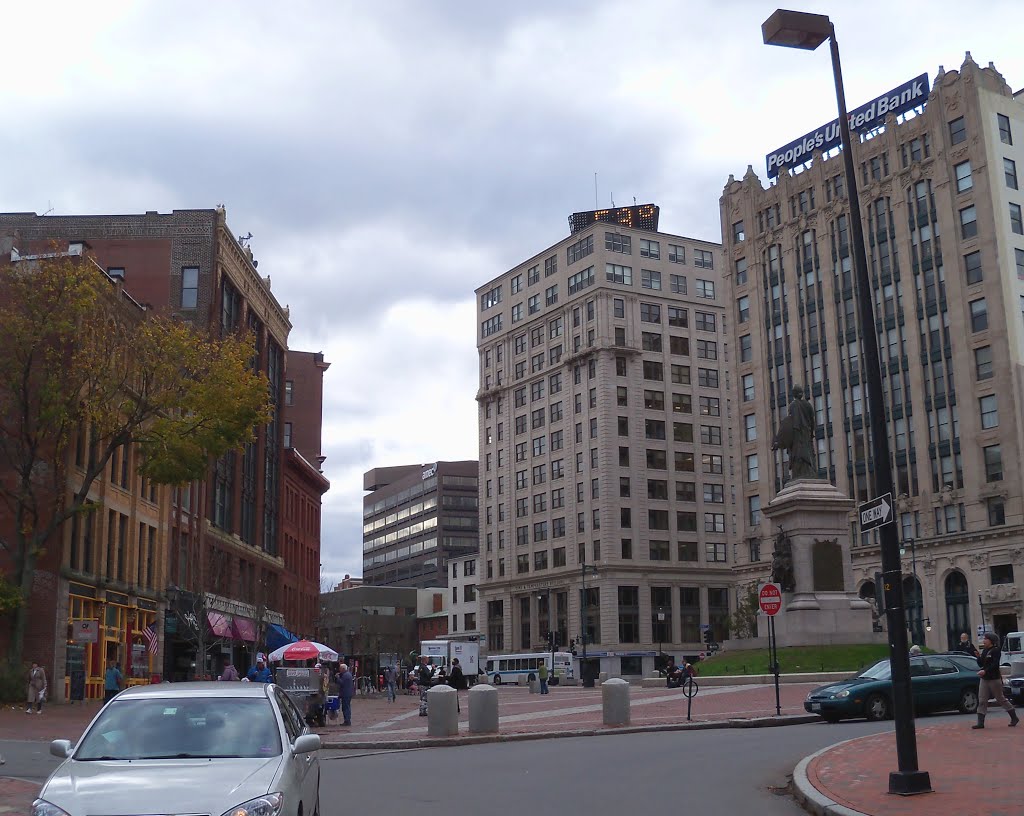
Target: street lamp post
point(796, 29)
point(661, 633)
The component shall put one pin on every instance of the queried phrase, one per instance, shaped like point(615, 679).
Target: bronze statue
point(796, 436)
point(782, 564)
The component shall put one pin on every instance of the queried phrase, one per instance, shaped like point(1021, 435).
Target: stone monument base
point(838, 620)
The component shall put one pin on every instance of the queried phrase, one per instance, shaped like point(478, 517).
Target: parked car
point(217, 748)
point(937, 682)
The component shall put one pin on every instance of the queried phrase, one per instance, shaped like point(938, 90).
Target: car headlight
point(842, 694)
point(40, 807)
point(268, 805)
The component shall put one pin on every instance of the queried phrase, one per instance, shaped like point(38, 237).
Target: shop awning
point(219, 624)
point(243, 629)
point(278, 636)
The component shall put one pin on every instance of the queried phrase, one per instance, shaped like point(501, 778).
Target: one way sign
point(876, 513)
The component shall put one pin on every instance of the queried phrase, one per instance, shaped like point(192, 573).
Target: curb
point(478, 739)
point(809, 797)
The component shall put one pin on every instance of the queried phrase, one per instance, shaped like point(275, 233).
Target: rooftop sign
point(642, 216)
point(900, 99)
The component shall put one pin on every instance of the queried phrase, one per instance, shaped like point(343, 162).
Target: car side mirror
point(306, 744)
point(61, 748)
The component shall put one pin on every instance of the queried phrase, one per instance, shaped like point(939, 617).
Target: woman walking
point(991, 683)
point(36, 688)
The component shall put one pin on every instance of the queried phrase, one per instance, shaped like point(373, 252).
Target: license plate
point(815, 706)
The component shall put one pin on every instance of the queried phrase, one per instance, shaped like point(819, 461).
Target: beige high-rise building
point(944, 239)
point(604, 417)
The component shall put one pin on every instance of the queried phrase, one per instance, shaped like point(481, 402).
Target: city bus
point(508, 668)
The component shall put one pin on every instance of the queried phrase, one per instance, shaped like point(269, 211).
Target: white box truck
point(442, 652)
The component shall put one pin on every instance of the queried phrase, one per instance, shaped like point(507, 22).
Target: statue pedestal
point(822, 608)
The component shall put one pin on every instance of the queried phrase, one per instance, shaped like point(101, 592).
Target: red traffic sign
point(770, 598)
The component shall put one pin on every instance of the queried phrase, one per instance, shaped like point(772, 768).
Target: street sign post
point(770, 598)
point(876, 513)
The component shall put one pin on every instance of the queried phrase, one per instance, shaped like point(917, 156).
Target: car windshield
point(880, 671)
point(182, 728)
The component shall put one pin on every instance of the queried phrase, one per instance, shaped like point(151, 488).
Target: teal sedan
point(938, 683)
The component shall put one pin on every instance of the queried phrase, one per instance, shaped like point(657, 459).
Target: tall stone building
point(604, 439)
point(944, 239)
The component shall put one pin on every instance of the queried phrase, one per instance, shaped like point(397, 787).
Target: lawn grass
point(795, 659)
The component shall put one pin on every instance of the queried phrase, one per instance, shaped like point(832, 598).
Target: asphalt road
point(727, 771)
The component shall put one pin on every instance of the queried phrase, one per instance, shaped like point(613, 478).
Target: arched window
point(914, 602)
point(958, 607)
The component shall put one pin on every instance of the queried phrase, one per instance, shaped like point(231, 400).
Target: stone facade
point(939, 195)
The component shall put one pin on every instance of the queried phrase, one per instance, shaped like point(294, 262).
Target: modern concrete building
point(604, 439)
point(944, 239)
point(416, 518)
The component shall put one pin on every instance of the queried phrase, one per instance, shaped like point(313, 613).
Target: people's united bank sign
point(900, 99)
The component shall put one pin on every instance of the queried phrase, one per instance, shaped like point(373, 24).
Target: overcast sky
point(390, 157)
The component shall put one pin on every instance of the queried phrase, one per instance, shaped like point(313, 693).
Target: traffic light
point(572, 647)
point(551, 640)
point(709, 636)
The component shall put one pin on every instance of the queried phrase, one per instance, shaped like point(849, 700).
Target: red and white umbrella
point(304, 650)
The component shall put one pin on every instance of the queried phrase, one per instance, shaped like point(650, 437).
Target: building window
point(983, 363)
point(968, 222)
point(581, 280)
point(629, 614)
point(551, 295)
point(957, 131)
point(650, 249)
point(703, 259)
point(963, 177)
point(614, 242)
point(746, 349)
point(1010, 173)
point(615, 273)
point(189, 287)
point(747, 382)
point(705, 289)
point(979, 315)
point(752, 469)
point(972, 268)
point(1016, 222)
point(650, 279)
point(738, 233)
point(677, 284)
point(996, 511)
point(1001, 573)
point(750, 427)
point(1019, 257)
point(678, 317)
point(705, 321)
point(287, 434)
point(676, 253)
point(1005, 135)
point(993, 463)
point(988, 408)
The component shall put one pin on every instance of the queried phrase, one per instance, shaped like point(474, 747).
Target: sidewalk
point(973, 773)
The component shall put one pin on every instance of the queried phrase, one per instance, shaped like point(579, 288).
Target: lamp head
point(796, 29)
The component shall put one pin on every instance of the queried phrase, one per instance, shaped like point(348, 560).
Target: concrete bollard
point(615, 701)
point(534, 686)
point(442, 712)
point(483, 710)
point(602, 677)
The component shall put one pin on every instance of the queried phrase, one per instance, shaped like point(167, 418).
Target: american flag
point(149, 633)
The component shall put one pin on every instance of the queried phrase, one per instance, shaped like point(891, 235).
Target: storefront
point(105, 626)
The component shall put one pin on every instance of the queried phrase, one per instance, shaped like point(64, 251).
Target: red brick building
point(231, 576)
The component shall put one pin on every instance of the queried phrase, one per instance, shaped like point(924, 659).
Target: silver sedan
point(216, 749)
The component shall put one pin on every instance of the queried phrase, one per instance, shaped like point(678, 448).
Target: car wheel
point(831, 720)
point(877, 707)
point(968, 701)
point(497, 679)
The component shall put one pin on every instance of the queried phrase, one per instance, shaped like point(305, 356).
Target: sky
point(391, 157)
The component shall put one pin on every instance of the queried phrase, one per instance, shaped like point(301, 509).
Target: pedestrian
point(991, 683)
point(915, 650)
point(389, 681)
point(966, 646)
point(260, 673)
point(230, 672)
point(346, 689)
point(113, 681)
point(542, 674)
point(36, 688)
point(423, 678)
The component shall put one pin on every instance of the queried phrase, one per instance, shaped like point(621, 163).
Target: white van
point(1013, 648)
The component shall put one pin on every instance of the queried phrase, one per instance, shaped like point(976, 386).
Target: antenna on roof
point(50, 208)
point(612, 197)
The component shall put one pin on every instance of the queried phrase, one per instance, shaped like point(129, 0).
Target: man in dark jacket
point(991, 683)
point(966, 646)
point(457, 680)
point(346, 690)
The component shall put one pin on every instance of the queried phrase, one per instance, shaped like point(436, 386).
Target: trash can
point(590, 669)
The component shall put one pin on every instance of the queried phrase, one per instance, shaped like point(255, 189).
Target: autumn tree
point(79, 357)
